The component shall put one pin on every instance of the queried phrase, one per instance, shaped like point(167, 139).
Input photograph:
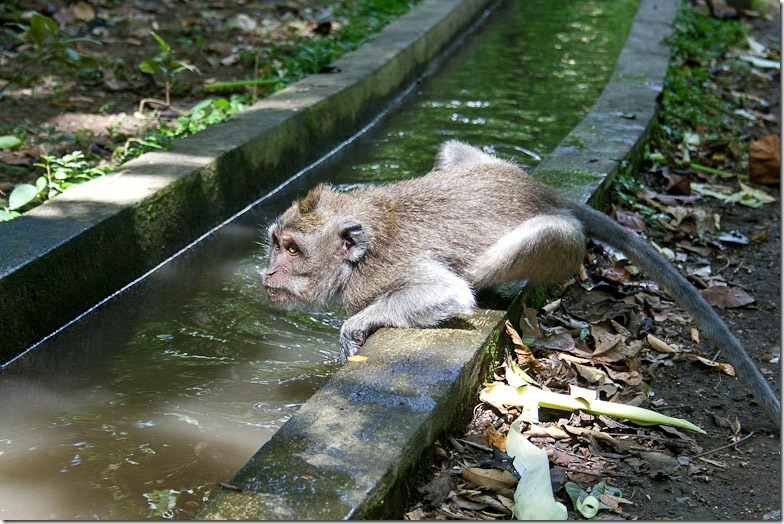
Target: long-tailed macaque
point(412, 253)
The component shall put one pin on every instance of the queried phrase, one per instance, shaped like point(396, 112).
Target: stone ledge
point(350, 450)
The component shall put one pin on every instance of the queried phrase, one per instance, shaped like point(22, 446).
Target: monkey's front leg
point(433, 294)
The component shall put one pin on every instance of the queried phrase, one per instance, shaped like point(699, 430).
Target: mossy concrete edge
point(613, 132)
point(350, 451)
point(67, 255)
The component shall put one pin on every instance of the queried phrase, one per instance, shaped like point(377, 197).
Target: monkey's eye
point(292, 249)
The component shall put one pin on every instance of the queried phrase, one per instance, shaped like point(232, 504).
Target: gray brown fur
point(412, 253)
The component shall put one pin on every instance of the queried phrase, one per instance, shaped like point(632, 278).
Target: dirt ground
point(95, 109)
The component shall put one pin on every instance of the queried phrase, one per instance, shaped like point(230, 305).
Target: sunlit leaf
point(763, 63)
point(150, 66)
point(21, 196)
point(9, 142)
point(530, 399)
point(722, 366)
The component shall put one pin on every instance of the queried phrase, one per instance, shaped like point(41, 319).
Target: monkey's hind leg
point(431, 294)
point(542, 249)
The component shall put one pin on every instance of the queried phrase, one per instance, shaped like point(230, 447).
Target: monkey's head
point(313, 248)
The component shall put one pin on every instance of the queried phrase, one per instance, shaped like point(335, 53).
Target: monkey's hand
point(353, 334)
point(436, 295)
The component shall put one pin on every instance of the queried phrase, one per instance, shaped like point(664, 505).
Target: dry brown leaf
point(632, 378)
point(722, 366)
point(529, 324)
point(575, 430)
point(506, 501)
point(525, 356)
point(566, 357)
point(538, 431)
point(591, 374)
point(765, 160)
point(558, 342)
point(678, 184)
point(614, 501)
point(489, 478)
point(615, 274)
point(464, 503)
point(632, 221)
point(726, 296)
point(491, 502)
point(564, 458)
point(495, 438)
point(610, 346)
point(415, 514)
point(437, 490)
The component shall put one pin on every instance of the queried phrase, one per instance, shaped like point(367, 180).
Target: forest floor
point(89, 77)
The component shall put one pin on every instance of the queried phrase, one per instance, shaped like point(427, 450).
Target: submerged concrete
point(63, 257)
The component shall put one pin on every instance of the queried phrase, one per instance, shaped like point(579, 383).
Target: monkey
point(414, 252)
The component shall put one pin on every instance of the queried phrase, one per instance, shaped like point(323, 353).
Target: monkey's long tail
point(604, 228)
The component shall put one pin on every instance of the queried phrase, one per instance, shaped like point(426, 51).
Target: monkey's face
point(313, 250)
point(289, 273)
point(310, 268)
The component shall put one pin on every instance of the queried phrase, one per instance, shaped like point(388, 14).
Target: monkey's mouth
point(279, 294)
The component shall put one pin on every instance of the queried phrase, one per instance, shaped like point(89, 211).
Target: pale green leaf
point(21, 196)
point(9, 142)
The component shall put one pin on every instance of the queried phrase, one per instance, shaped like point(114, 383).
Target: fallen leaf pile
point(606, 333)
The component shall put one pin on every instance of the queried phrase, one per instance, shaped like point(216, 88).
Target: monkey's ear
point(354, 242)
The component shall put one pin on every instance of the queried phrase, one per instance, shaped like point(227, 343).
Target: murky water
point(142, 407)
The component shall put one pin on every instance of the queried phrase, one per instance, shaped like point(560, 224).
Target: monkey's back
point(450, 216)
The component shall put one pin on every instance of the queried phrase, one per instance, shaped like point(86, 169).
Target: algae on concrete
point(351, 449)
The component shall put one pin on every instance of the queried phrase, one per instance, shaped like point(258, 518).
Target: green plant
point(165, 64)
point(60, 173)
point(49, 47)
point(691, 96)
point(201, 116)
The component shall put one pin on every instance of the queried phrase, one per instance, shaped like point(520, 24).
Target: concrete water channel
point(143, 406)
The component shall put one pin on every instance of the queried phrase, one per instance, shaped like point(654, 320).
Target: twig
point(475, 445)
point(242, 83)
point(731, 444)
